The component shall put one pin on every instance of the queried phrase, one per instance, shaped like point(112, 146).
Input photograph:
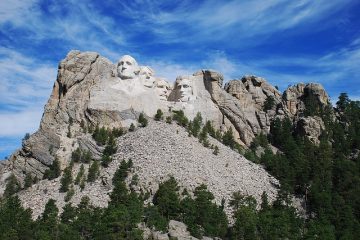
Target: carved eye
point(128, 63)
point(160, 86)
point(121, 63)
point(185, 86)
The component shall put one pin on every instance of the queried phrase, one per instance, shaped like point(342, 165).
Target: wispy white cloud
point(215, 20)
point(24, 81)
point(170, 70)
point(77, 24)
point(25, 86)
point(14, 10)
point(19, 123)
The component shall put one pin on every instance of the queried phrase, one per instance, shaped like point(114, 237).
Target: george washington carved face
point(127, 67)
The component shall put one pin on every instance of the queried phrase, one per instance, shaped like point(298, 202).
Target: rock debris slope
point(158, 151)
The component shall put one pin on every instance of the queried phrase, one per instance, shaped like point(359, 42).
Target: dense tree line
point(118, 221)
point(326, 175)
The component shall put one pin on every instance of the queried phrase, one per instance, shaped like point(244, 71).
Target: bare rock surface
point(311, 127)
point(294, 97)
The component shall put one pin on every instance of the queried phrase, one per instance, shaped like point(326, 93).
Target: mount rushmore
point(90, 90)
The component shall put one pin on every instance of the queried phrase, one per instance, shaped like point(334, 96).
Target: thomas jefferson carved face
point(184, 89)
point(146, 74)
point(127, 67)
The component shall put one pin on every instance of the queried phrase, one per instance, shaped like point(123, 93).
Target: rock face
point(294, 97)
point(251, 93)
point(311, 127)
point(90, 90)
point(87, 89)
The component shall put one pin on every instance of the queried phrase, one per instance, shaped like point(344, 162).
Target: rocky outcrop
point(85, 91)
point(241, 102)
point(311, 127)
point(295, 97)
point(176, 230)
point(252, 91)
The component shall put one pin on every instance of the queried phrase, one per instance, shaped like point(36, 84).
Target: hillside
point(125, 154)
point(158, 151)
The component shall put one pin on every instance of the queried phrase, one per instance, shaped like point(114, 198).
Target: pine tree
point(76, 155)
point(153, 218)
point(159, 115)
point(80, 175)
point(105, 160)
point(110, 148)
point(196, 125)
point(93, 172)
point(47, 227)
point(28, 181)
point(15, 221)
point(12, 186)
point(216, 150)
point(203, 136)
point(142, 120)
point(66, 179)
point(210, 129)
point(210, 216)
point(86, 156)
point(167, 199)
point(132, 127)
point(180, 118)
point(68, 214)
point(169, 119)
point(343, 101)
point(269, 103)
point(70, 193)
point(82, 184)
point(54, 170)
point(228, 138)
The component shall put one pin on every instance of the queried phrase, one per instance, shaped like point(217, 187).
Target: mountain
point(196, 130)
point(89, 91)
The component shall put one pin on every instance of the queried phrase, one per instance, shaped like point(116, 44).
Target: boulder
point(178, 230)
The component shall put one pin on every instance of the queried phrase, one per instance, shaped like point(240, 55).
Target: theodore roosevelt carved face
point(146, 74)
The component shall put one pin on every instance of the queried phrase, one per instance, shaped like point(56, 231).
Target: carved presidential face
point(147, 75)
point(162, 89)
point(127, 67)
point(184, 90)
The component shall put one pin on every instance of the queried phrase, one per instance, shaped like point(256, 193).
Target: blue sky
point(283, 41)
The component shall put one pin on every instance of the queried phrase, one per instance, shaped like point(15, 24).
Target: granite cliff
point(92, 91)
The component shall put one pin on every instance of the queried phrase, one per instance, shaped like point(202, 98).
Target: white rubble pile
point(158, 151)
